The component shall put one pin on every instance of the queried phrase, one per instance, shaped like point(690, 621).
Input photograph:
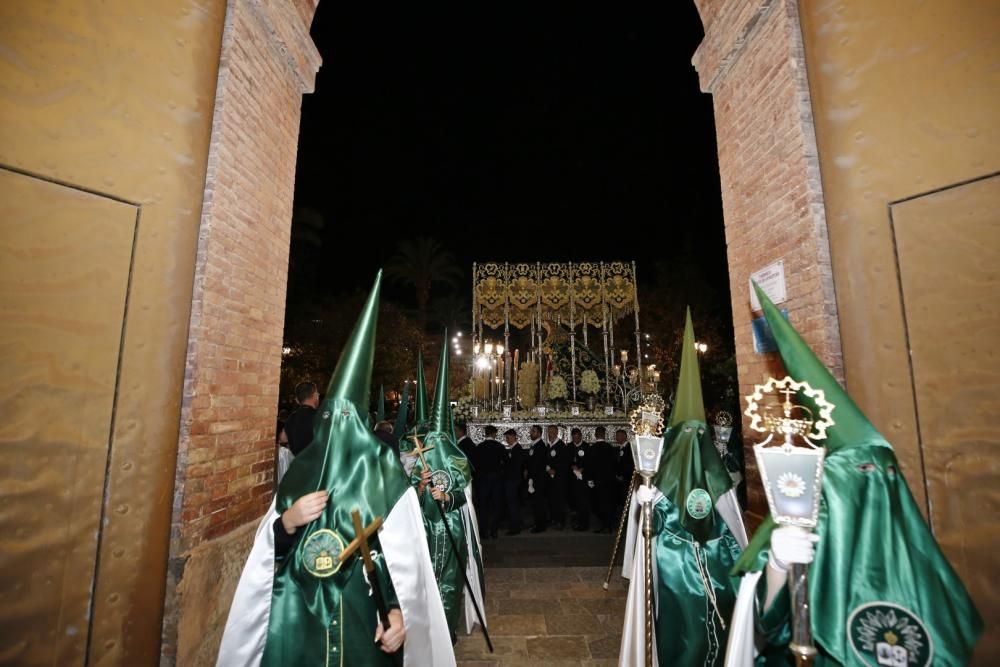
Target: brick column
point(752, 62)
point(224, 479)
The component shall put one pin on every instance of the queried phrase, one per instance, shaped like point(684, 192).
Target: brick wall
point(752, 62)
point(224, 478)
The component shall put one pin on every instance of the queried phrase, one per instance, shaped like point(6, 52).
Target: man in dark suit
point(560, 461)
point(604, 462)
point(489, 458)
point(299, 425)
point(625, 468)
point(582, 481)
point(538, 480)
point(466, 444)
point(513, 473)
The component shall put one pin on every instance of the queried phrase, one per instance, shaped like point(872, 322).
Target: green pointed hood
point(689, 404)
point(380, 411)
point(404, 410)
point(851, 427)
point(442, 407)
point(357, 469)
point(876, 554)
point(446, 456)
point(352, 378)
point(691, 469)
point(421, 409)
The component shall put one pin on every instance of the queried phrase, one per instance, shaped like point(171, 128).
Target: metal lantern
point(646, 451)
point(723, 428)
point(792, 477)
point(647, 446)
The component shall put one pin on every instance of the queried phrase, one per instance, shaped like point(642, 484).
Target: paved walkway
point(546, 605)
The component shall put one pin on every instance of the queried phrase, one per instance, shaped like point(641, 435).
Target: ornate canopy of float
point(571, 365)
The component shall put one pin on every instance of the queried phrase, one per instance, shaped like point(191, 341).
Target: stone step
point(553, 615)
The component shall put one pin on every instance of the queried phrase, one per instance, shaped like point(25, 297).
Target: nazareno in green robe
point(350, 634)
point(688, 630)
point(451, 474)
point(881, 591)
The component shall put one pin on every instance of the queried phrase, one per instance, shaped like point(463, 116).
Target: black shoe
point(538, 529)
point(580, 529)
point(514, 532)
point(599, 530)
point(493, 534)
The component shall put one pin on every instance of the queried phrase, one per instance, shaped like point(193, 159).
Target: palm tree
point(422, 262)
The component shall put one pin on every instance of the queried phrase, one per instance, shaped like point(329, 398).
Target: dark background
point(505, 134)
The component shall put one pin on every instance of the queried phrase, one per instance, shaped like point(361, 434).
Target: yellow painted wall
point(105, 117)
point(906, 102)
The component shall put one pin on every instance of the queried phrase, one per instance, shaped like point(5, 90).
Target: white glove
point(579, 475)
point(531, 486)
point(590, 483)
point(791, 544)
point(644, 494)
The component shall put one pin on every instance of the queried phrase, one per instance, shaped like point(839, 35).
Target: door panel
point(64, 273)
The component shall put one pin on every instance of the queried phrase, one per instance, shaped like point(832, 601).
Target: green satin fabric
point(851, 428)
point(421, 407)
point(447, 567)
point(690, 461)
point(447, 457)
point(875, 547)
point(297, 636)
point(399, 430)
point(688, 401)
point(360, 472)
point(351, 379)
point(688, 634)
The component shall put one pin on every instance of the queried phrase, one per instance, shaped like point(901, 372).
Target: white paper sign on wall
point(772, 280)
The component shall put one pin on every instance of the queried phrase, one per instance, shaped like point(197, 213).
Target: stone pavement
point(546, 604)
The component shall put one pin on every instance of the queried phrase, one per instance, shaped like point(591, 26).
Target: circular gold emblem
point(440, 479)
point(320, 553)
point(699, 503)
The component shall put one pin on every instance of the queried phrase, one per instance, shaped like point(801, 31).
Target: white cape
point(472, 566)
point(404, 545)
point(741, 650)
point(285, 458)
point(633, 647)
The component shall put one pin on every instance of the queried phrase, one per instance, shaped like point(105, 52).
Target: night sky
point(510, 134)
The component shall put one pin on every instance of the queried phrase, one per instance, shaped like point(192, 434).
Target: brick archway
point(752, 62)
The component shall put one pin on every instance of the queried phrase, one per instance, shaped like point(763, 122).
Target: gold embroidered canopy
point(550, 291)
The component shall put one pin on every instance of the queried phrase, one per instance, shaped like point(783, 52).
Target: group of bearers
point(881, 591)
point(565, 482)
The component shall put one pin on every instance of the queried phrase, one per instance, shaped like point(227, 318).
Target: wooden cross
point(360, 543)
point(419, 448)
